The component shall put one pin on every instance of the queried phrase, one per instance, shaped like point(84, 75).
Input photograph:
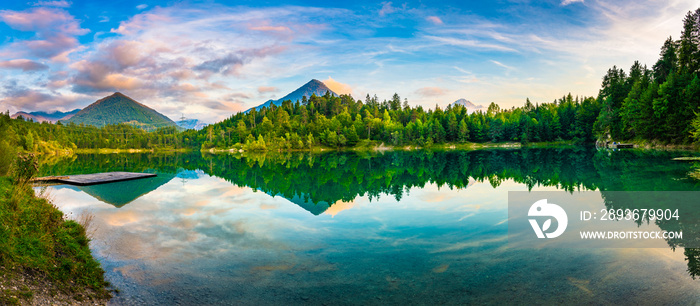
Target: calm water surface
point(347, 228)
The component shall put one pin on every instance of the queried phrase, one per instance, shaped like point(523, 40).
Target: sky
point(208, 60)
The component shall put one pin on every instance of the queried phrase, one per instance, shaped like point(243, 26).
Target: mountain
point(46, 117)
point(125, 192)
point(312, 87)
point(191, 124)
point(306, 203)
point(118, 108)
point(471, 107)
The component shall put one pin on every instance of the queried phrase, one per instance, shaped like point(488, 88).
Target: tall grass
point(36, 238)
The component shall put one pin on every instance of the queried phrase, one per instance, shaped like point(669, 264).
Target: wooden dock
point(95, 178)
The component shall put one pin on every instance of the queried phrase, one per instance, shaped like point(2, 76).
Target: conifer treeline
point(660, 103)
point(343, 121)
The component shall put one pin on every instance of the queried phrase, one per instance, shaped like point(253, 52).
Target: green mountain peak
point(119, 108)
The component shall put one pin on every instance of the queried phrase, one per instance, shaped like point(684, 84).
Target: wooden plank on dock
point(97, 178)
point(47, 179)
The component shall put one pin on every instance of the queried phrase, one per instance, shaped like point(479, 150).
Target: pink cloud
point(435, 20)
point(24, 64)
point(284, 32)
point(337, 87)
point(51, 47)
point(267, 89)
point(386, 9)
point(18, 98)
point(237, 95)
point(43, 20)
point(272, 28)
point(140, 22)
point(100, 77)
point(127, 53)
point(222, 105)
point(55, 32)
point(61, 3)
point(185, 87)
point(431, 91)
point(57, 84)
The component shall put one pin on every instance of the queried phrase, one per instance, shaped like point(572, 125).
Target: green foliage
point(119, 108)
point(658, 104)
point(328, 120)
point(7, 157)
point(34, 236)
point(25, 167)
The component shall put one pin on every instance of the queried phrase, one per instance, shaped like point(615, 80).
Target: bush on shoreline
point(36, 239)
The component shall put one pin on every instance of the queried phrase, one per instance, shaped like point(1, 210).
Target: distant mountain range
point(191, 124)
point(46, 117)
point(118, 108)
point(471, 107)
point(312, 87)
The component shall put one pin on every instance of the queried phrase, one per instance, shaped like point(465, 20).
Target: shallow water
point(403, 227)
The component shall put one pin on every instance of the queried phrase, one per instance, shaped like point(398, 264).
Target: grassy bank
point(42, 253)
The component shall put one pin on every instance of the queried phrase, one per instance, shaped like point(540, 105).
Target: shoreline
point(119, 151)
point(378, 146)
point(58, 269)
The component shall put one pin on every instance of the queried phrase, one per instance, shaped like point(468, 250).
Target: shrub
point(25, 167)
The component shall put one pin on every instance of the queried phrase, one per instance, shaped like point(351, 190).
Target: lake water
point(380, 228)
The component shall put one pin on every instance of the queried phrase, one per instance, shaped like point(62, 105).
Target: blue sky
point(209, 59)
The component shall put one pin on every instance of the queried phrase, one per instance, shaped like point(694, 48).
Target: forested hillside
point(658, 103)
point(343, 121)
point(120, 109)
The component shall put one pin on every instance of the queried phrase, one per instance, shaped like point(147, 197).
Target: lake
point(404, 227)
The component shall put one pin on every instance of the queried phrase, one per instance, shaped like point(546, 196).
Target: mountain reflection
point(331, 182)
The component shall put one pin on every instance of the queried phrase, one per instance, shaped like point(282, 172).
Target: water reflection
point(397, 227)
point(125, 192)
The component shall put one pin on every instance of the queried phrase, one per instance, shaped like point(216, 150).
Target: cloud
point(55, 32)
point(337, 87)
point(16, 97)
point(283, 32)
point(267, 89)
point(231, 63)
point(271, 28)
point(141, 22)
point(141, 7)
point(387, 9)
point(471, 43)
point(229, 106)
point(43, 20)
point(236, 96)
point(24, 64)
point(226, 64)
point(62, 3)
point(178, 57)
point(431, 91)
point(567, 2)
point(502, 65)
point(435, 20)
